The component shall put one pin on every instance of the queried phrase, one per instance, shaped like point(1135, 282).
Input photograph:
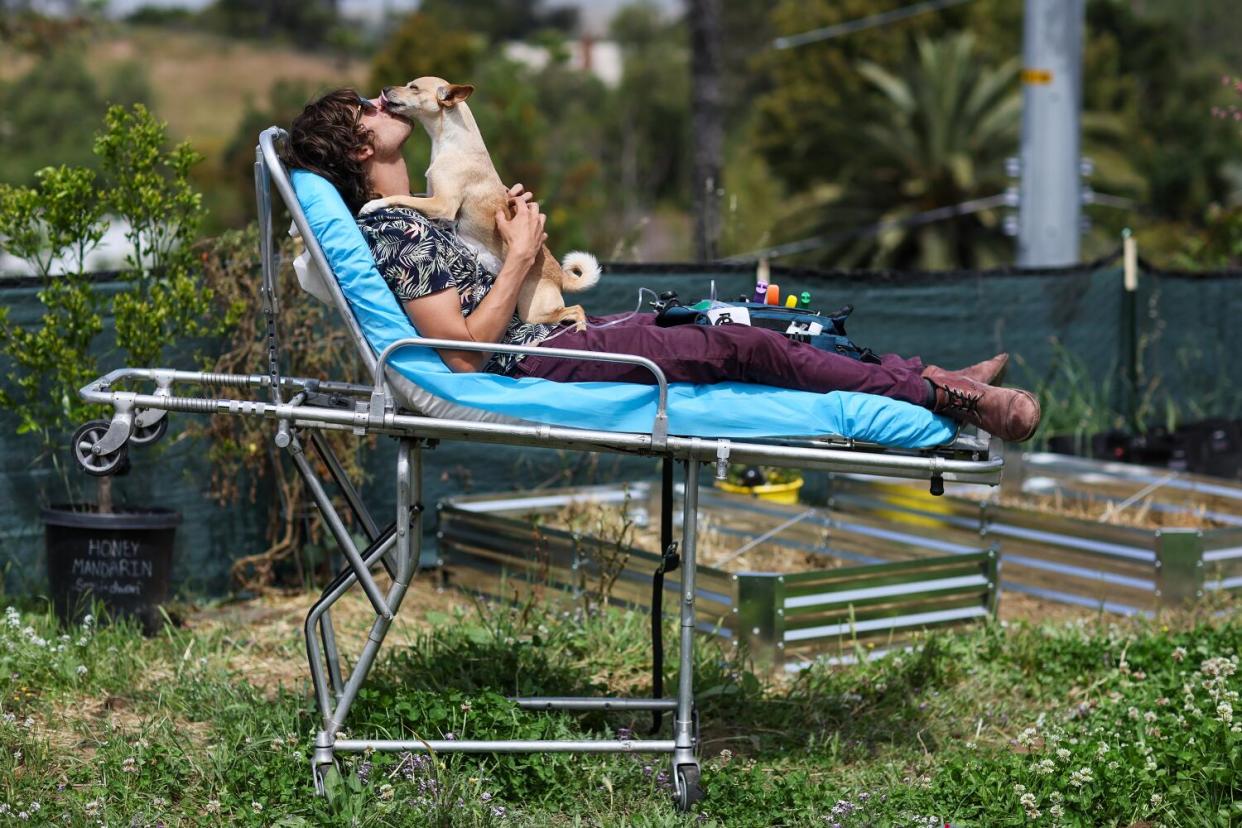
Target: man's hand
point(523, 234)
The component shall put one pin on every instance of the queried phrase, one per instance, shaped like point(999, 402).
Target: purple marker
point(761, 293)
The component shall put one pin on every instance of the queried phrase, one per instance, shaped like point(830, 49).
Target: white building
point(602, 58)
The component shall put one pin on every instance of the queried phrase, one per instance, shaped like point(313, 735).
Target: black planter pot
point(1213, 447)
point(1074, 444)
point(123, 560)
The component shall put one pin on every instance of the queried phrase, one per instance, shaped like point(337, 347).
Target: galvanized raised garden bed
point(791, 582)
point(1123, 538)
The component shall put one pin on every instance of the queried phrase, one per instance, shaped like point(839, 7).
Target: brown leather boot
point(1010, 414)
point(989, 372)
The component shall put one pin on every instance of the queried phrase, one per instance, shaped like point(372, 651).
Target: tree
point(500, 20)
point(305, 22)
point(948, 122)
point(64, 217)
point(424, 45)
point(1139, 69)
point(647, 140)
point(231, 200)
point(707, 124)
point(47, 116)
point(815, 98)
point(1144, 122)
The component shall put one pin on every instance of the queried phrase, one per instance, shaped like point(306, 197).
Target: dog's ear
point(453, 93)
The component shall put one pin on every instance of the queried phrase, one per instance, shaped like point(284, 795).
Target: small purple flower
point(843, 808)
point(648, 770)
point(486, 797)
point(364, 771)
point(410, 765)
point(450, 736)
point(625, 733)
point(499, 811)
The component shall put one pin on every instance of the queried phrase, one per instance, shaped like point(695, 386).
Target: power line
point(976, 205)
point(851, 26)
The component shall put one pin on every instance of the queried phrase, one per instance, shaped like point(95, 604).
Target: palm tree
point(942, 132)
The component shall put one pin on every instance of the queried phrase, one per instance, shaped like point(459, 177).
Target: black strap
point(670, 561)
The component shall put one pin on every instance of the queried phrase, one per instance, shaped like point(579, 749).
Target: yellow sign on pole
point(1037, 76)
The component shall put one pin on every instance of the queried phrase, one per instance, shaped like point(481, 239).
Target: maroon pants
point(705, 354)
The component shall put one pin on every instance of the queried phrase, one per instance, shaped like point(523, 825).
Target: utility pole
point(1050, 199)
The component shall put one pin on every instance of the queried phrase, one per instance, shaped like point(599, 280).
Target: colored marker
point(761, 292)
point(791, 301)
point(805, 299)
point(774, 294)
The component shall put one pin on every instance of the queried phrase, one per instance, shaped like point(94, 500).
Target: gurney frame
point(301, 408)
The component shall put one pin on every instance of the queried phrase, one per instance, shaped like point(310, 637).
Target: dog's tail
point(582, 271)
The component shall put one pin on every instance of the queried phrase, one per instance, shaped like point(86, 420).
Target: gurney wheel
point(689, 791)
point(327, 778)
point(145, 436)
point(97, 465)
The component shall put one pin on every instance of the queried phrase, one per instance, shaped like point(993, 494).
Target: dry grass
point(712, 548)
point(1139, 515)
point(202, 83)
point(264, 635)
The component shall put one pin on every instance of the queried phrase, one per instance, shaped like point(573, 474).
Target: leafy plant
point(243, 457)
point(1073, 402)
point(61, 220)
point(150, 189)
point(55, 225)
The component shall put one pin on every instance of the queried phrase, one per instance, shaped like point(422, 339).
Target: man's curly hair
point(324, 139)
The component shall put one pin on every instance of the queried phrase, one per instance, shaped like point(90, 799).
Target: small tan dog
point(466, 188)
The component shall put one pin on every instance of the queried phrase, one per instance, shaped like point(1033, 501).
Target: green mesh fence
point(1074, 332)
point(1189, 336)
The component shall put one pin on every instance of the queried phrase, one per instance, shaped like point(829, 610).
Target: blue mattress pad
point(731, 409)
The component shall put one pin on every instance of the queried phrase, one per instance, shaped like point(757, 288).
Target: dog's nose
point(385, 91)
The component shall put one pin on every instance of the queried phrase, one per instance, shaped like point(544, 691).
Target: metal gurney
point(301, 408)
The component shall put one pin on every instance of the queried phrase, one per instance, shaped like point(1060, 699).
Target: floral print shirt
point(418, 257)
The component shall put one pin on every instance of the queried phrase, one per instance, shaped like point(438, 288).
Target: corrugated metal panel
point(487, 538)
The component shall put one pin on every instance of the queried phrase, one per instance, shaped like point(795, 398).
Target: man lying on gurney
point(356, 144)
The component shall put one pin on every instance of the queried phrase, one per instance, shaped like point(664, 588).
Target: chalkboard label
point(111, 566)
point(126, 569)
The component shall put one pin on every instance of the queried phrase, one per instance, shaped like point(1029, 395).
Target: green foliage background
point(811, 130)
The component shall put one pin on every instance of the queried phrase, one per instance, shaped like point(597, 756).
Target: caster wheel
point(146, 435)
point(327, 779)
point(97, 465)
point(689, 791)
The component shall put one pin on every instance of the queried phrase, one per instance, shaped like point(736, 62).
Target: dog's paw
point(373, 205)
point(580, 325)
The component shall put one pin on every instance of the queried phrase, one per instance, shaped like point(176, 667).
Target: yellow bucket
point(786, 493)
point(914, 497)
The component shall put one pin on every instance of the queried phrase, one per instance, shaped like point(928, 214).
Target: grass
point(1084, 723)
